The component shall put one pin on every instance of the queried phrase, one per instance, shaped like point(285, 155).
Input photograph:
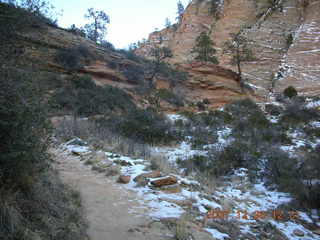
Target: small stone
point(124, 179)
point(298, 233)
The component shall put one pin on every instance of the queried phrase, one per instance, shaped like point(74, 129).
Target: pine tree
point(204, 49)
point(96, 30)
point(240, 52)
point(180, 11)
point(168, 23)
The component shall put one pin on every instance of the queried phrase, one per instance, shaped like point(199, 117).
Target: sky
point(130, 20)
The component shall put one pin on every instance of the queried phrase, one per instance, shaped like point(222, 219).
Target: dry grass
point(99, 138)
point(161, 163)
point(181, 231)
point(49, 210)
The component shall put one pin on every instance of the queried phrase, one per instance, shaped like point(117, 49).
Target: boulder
point(298, 233)
point(124, 179)
point(153, 174)
point(143, 179)
point(165, 181)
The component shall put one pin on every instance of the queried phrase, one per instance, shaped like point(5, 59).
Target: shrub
point(76, 31)
point(14, 21)
point(206, 101)
point(297, 112)
point(173, 75)
point(201, 106)
point(280, 169)
point(130, 55)
point(299, 178)
point(71, 58)
point(145, 126)
point(107, 45)
point(48, 205)
point(274, 110)
point(290, 39)
point(170, 97)
point(133, 73)
point(23, 127)
point(82, 96)
point(310, 172)
point(33, 201)
point(246, 113)
point(290, 92)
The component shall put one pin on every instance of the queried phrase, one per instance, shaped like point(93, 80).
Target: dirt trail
point(113, 213)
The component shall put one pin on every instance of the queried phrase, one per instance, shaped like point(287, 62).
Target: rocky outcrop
point(301, 63)
point(283, 36)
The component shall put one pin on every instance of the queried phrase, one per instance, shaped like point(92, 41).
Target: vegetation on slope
point(34, 202)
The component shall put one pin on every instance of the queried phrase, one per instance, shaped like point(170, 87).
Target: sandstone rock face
point(303, 57)
point(284, 40)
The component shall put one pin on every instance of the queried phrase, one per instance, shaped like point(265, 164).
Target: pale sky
point(130, 20)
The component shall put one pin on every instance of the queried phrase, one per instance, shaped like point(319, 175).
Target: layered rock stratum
point(284, 38)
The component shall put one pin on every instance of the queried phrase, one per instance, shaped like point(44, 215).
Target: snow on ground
point(237, 195)
point(175, 117)
point(216, 234)
point(313, 104)
point(315, 124)
point(183, 151)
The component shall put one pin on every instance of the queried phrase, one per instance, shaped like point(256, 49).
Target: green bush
point(296, 112)
point(145, 126)
point(133, 73)
point(299, 178)
point(273, 110)
point(33, 201)
point(130, 55)
point(23, 128)
point(82, 96)
point(290, 92)
point(71, 58)
point(170, 97)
